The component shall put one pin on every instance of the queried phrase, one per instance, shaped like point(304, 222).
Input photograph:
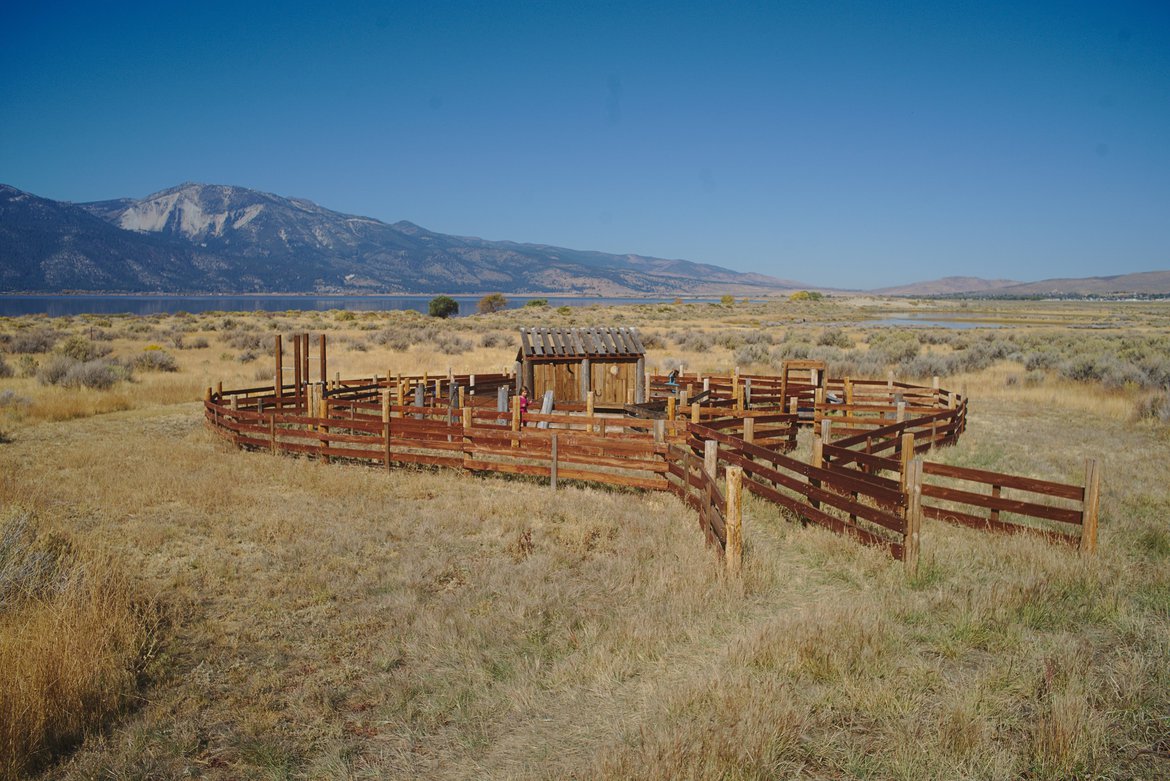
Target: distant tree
point(537, 302)
point(492, 302)
point(807, 295)
point(727, 300)
point(443, 306)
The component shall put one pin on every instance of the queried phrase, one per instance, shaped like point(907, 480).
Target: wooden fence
point(969, 497)
point(868, 485)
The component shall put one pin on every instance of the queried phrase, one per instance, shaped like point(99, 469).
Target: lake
point(63, 306)
point(923, 322)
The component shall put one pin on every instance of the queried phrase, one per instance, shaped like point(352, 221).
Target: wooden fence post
point(913, 516)
point(386, 422)
point(907, 455)
point(670, 408)
point(1091, 505)
point(711, 458)
point(901, 414)
point(324, 363)
point(817, 459)
point(696, 412)
point(733, 554)
point(659, 431)
point(298, 393)
point(749, 430)
point(322, 427)
point(278, 383)
point(515, 421)
point(552, 473)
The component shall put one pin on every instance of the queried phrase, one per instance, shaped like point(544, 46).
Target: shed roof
point(600, 342)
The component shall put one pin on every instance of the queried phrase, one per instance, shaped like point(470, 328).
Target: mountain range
point(221, 239)
point(198, 238)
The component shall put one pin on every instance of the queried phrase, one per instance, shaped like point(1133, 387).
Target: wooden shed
point(570, 362)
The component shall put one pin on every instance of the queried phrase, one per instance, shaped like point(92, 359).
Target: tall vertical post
point(278, 390)
point(305, 360)
point(913, 517)
point(749, 430)
point(696, 412)
point(640, 385)
point(324, 362)
point(733, 553)
point(1091, 505)
point(297, 398)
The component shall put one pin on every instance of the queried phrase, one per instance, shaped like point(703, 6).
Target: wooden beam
point(733, 518)
point(1091, 506)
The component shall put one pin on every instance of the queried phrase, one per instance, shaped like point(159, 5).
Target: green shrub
point(443, 306)
point(835, 337)
point(155, 361)
point(81, 349)
point(5, 369)
point(537, 302)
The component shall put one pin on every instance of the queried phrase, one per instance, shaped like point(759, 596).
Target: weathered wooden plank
point(1033, 485)
point(1029, 509)
point(986, 524)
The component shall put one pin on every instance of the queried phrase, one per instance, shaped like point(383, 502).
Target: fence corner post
point(1092, 503)
point(910, 542)
point(711, 458)
point(733, 554)
point(906, 455)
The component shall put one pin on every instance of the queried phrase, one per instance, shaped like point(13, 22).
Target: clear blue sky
point(844, 144)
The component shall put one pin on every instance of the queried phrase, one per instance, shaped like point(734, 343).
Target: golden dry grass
point(326, 621)
point(73, 639)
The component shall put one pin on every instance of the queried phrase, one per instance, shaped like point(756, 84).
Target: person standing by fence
point(523, 404)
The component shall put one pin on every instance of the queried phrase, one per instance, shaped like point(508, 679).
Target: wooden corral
point(866, 478)
point(571, 362)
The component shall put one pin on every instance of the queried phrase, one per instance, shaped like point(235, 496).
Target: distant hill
point(1140, 283)
point(1146, 283)
point(946, 286)
point(213, 238)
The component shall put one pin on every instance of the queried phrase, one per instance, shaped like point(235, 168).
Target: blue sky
point(841, 144)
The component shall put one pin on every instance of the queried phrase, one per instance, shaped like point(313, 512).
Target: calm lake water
point(921, 322)
point(62, 306)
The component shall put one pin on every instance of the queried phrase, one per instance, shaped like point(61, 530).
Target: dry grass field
point(171, 607)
